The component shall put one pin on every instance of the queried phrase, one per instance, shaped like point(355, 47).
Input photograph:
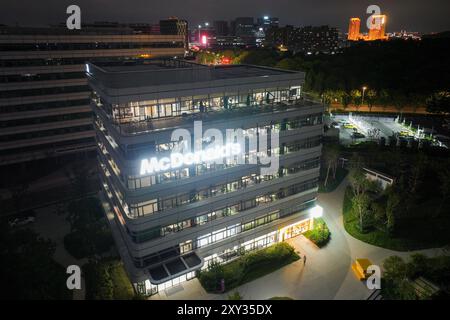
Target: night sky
point(411, 15)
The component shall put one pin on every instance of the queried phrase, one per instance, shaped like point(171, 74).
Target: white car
point(18, 222)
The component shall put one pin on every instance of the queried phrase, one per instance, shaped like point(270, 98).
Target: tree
point(416, 174)
point(444, 178)
point(371, 97)
point(397, 284)
point(383, 99)
point(394, 268)
point(360, 205)
point(331, 156)
point(28, 270)
point(438, 102)
point(392, 204)
point(287, 64)
point(356, 97)
point(358, 181)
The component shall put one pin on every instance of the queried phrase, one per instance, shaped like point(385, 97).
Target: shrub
point(320, 234)
point(235, 296)
point(107, 280)
point(247, 267)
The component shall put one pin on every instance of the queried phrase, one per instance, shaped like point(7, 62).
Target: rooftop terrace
point(158, 72)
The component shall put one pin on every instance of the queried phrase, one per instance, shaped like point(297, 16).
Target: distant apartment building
point(307, 40)
point(44, 97)
point(267, 22)
point(377, 31)
point(354, 29)
point(175, 26)
point(221, 28)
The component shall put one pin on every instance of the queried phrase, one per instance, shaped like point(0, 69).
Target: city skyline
point(419, 16)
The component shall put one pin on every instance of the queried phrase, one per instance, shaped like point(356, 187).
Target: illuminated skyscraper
point(378, 28)
point(353, 29)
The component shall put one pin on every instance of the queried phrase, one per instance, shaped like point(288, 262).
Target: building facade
point(173, 215)
point(44, 96)
point(307, 40)
point(354, 27)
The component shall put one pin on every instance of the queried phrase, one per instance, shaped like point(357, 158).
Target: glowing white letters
point(176, 160)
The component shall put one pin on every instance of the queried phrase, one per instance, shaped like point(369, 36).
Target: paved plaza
point(326, 275)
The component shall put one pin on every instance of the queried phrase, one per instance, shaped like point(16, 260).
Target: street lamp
point(199, 35)
point(364, 90)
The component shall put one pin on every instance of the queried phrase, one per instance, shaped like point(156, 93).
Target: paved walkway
point(327, 273)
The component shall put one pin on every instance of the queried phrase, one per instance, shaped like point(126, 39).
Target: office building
point(44, 96)
point(378, 29)
point(174, 212)
point(221, 28)
point(175, 26)
point(354, 29)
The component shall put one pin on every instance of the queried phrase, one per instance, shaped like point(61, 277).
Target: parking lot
point(359, 128)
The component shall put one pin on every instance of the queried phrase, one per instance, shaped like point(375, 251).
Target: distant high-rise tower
point(353, 29)
point(378, 29)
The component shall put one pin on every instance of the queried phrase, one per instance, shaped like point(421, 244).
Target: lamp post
point(364, 90)
point(199, 35)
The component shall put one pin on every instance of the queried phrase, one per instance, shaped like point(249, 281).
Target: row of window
point(49, 148)
point(248, 246)
point(163, 108)
point(87, 46)
point(158, 205)
point(41, 77)
point(43, 91)
point(43, 120)
point(214, 215)
point(44, 105)
point(45, 133)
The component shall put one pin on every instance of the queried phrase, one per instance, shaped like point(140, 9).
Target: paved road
point(327, 273)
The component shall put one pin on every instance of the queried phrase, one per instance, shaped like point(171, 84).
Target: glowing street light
point(364, 90)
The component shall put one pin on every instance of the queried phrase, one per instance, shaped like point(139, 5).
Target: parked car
point(24, 219)
point(18, 222)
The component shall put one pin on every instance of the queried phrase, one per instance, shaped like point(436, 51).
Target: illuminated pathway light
point(316, 212)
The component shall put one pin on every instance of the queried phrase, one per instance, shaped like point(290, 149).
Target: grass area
point(320, 234)
point(90, 234)
point(332, 183)
point(280, 298)
point(415, 234)
point(248, 267)
point(107, 280)
point(122, 288)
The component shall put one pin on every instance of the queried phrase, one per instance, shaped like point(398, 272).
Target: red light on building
point(204, 40)
point(225, 60)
